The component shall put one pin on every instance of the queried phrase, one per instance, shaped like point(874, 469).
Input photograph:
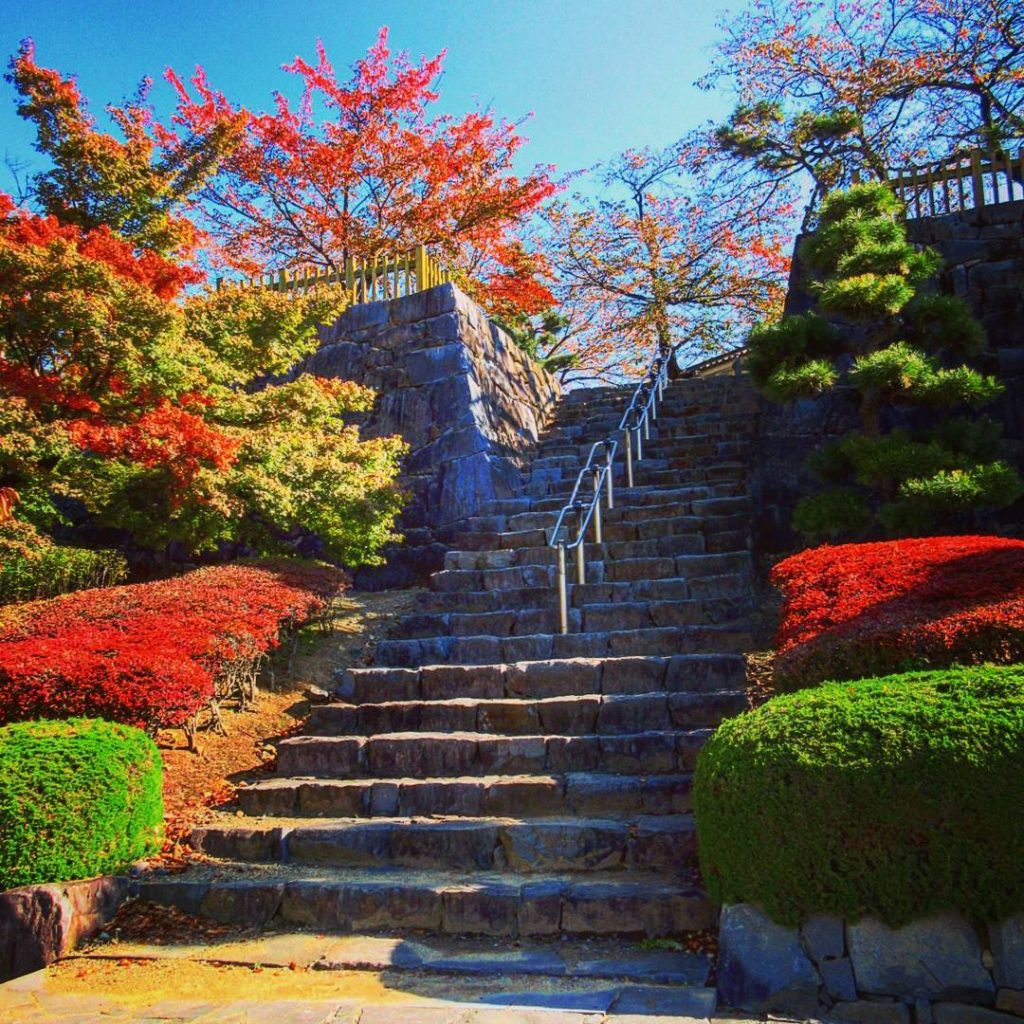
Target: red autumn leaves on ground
point(870, 609)
point(148, 654)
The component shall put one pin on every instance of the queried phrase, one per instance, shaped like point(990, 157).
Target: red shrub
point(149, 654)
point(871, 609)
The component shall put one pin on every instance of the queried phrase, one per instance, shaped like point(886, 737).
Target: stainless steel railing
point(580, 512)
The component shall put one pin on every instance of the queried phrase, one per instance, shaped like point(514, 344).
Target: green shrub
point(58, 570)
point(895, 797)
point(77, 799)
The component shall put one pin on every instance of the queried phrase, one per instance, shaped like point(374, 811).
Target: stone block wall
point(468, 402)
point(937, 970)
point(40, 923)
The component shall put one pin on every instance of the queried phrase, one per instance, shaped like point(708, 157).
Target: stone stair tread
point(592, 958)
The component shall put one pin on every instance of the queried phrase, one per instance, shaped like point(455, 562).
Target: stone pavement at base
point(29, 1008)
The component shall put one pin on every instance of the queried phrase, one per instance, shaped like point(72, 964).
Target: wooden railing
point(963, 181)
point(386, 277)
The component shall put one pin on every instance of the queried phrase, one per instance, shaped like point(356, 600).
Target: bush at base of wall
point(895, 797)
point(77, 799)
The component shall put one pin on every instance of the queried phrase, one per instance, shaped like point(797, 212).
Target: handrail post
point(629, 456)
point(581, 543)
point(563, 594)
point(639, 444)
point(608, 475)
point(597, 506)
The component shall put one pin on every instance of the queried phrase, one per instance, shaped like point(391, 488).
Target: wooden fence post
point(977, 183)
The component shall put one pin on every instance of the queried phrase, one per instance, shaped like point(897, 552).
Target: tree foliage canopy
point(150, 408)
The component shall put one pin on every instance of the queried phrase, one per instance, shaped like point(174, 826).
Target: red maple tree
point(363, 168)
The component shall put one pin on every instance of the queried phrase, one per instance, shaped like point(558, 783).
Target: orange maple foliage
point(362, 168)
point(664, 259)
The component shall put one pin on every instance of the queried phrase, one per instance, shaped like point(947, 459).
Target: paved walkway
point(70, 993)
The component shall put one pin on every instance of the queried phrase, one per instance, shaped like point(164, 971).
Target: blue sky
point(598, 75)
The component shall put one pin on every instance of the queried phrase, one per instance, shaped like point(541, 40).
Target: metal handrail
point(635, 426)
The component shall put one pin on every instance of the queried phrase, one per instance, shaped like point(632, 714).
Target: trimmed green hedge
point(77, 799)
point(58, 570)
point(895, 797)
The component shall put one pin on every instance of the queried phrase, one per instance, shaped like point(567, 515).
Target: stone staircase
point(491, 779)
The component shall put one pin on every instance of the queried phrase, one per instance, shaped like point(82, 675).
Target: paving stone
point(639, 999)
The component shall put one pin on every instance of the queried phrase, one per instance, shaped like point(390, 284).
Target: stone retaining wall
point(939, 970)
point(39, 923)
point(465, 398)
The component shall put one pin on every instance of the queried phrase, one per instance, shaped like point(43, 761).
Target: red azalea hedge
point(149, 654)
point(872, 609)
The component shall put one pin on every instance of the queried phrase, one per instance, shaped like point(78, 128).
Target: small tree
point(896, 348)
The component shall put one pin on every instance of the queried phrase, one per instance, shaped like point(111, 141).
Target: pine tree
point(897, 347)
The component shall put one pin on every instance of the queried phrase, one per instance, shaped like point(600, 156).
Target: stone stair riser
point(457, 754)
point(702, 673)
point(646, 844)
point(504, 909)
point(712, 589)
point(490, 650)
point(566, 716)
point(534, 796)
point(587, 618)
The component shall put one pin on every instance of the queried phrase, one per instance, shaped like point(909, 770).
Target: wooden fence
point(387, 277)
point(963, 181)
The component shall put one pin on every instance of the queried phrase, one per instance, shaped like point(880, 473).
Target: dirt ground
point(197, 781)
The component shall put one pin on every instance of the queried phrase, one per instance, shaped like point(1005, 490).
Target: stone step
point(709, 588)
point(687, 567)
point(679, 673)
point(670, 453)
point(588, 618)
point(566, 793)
point(689, 543)
point(644, 478)
point(492, 650)
point(625, 497)
point(615, 530)
point(347, 900)
point(575, 715)
point(423, 755)
point(525, 521)
point(665, 843)
point(639, 497)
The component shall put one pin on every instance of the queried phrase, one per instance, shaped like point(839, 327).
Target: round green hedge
point(895, 797)
point(77, 798)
